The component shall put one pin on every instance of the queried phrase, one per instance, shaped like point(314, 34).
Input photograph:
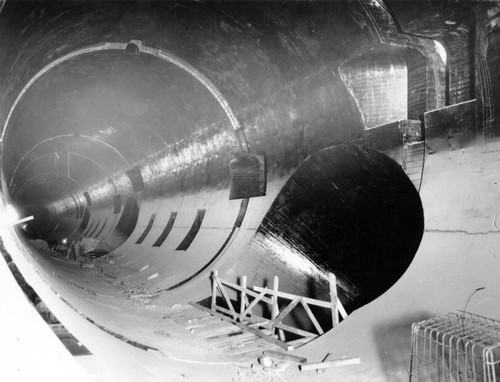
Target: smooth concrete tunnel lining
point(124, 142)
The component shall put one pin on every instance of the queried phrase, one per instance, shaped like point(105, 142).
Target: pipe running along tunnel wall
point(188, 138)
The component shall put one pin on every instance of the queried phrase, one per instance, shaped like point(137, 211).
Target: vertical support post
point(214, 289)
point(243, 295)
point(275, 310)
point(56, 162)
point(333, 298)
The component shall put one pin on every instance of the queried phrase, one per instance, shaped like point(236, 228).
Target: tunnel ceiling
point(113, 109)
point(105, 94)
point(107, 109)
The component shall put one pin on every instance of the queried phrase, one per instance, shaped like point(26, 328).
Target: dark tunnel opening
point(353, 210)
point(109, 92)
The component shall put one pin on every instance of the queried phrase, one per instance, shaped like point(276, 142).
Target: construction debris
point(265, 362)
point(327, 364)
point(284, 356)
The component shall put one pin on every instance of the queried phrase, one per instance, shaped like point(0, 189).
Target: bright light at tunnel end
point(11, 216)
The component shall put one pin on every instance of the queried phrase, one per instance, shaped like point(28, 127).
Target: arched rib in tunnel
point(128, 144)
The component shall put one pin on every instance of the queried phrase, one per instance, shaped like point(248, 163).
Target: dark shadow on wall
point(353, 211)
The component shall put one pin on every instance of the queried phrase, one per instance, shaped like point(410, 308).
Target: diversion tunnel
point(183, 138)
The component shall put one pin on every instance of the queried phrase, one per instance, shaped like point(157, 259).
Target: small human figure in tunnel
point(73, 251)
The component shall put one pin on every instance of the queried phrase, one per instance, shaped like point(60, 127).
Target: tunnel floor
point(136, 312)
point(145, 319)
point(455, 257)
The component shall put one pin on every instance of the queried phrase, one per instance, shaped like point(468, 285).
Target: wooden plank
point(197, 325)
point(243, 295)
point(254, 302)
point(257, 321)
point(297, 331)
point(265, 323)
point(334, 363)
point(214, 289)
point(249, 352)
point(226, 298)
point(275, 307)
point(312, 317)
point(227, 311)
point(249, 342)
point(229, 337)
point(232, 285)
point(341, 309)
point(245, 341)
point(216, 331)
point(257, 332)
point(220, 325)
point(284, 313)
point(290, 296)
point(333, 296)
point(249, 292)
point(199, 320)
point(284, 356)
point(219, 334)
point(257, 346)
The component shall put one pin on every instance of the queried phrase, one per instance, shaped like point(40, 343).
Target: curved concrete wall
point(121, 122)
point(154, 116)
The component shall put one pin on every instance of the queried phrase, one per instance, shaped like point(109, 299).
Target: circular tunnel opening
point(352, 211)
point(138, 149)
point(86, 128)
point(92, 138)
